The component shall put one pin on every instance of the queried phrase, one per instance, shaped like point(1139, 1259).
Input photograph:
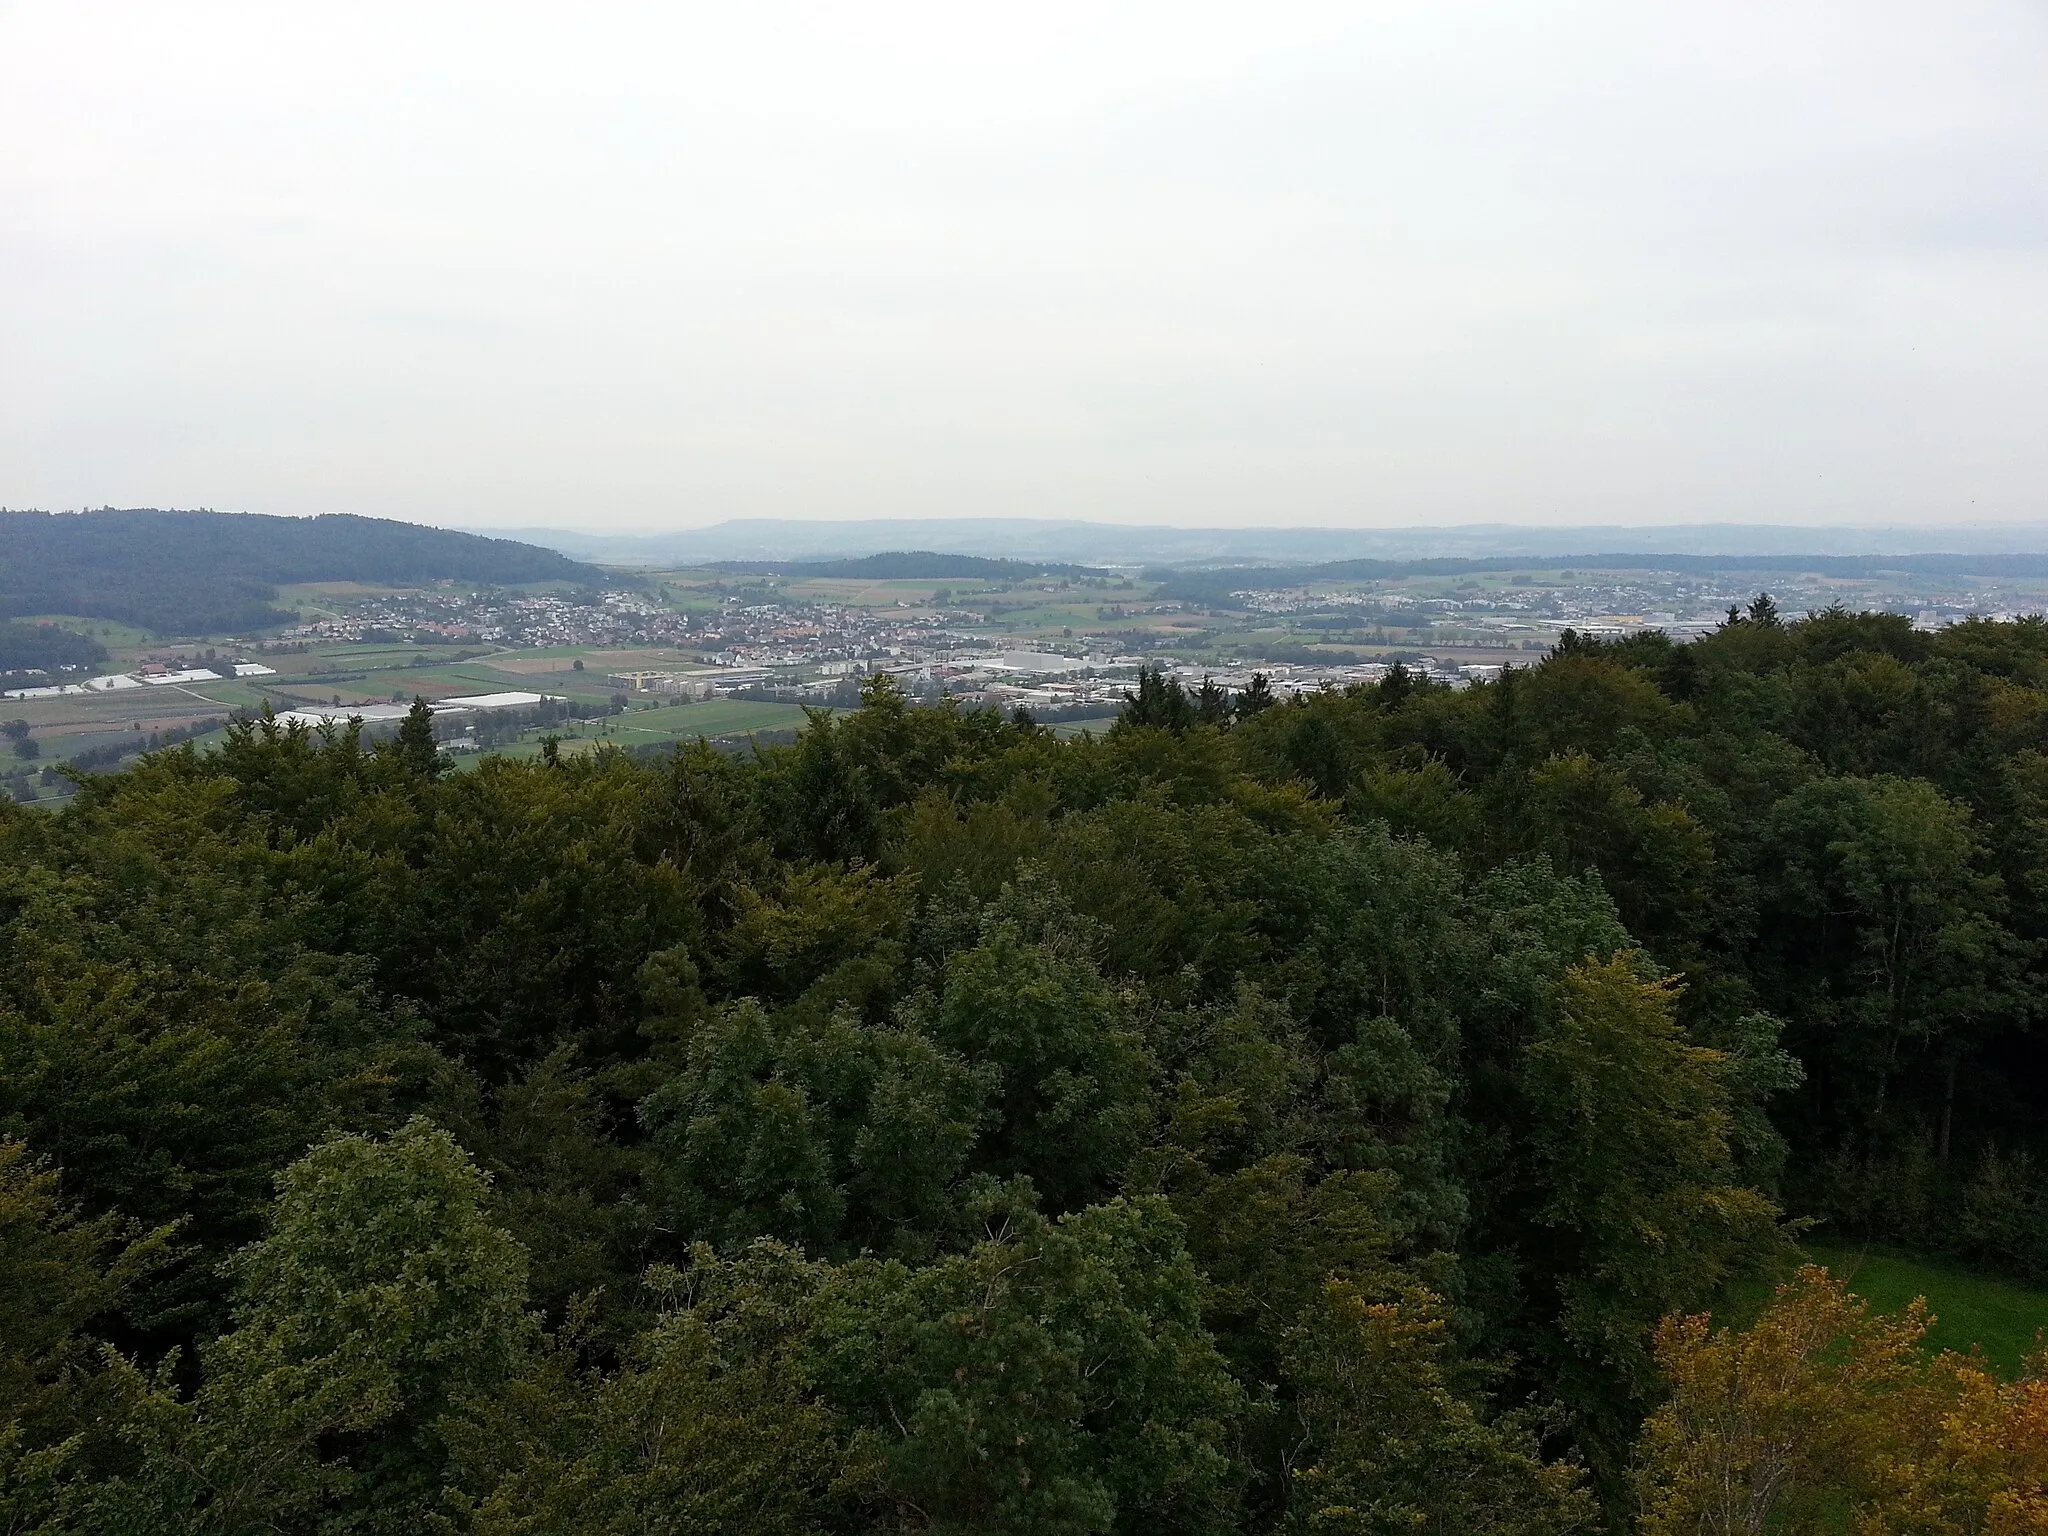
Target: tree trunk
point(1948, 1108)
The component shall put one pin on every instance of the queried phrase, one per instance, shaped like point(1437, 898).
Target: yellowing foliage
point(1824, 1416)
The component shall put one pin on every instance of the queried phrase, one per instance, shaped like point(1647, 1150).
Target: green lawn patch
point(1970, 1309)
point(654, 727)
point(61, 749)
point(111, 633)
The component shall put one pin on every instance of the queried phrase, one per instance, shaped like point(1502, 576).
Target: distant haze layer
point(1040, 539)
point(621, 267)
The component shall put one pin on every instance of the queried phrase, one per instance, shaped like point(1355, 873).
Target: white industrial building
point(382, 714)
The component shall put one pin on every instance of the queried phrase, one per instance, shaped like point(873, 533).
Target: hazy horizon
point(1129, 544)
point(646, 270)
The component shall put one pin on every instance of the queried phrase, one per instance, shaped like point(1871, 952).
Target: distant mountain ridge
point(908, 565)
point(1050, 540)
point(196, 572)
point(1213, 584)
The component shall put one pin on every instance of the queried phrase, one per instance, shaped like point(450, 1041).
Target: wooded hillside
point(193, 573)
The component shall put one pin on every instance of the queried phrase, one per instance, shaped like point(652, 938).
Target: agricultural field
point(1066, 730)
point(340, 674)
point(111, 633)
point(710, 719)
point(359, 644)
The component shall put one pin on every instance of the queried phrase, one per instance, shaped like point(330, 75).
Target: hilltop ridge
point(204, 572)
point(1053, 539)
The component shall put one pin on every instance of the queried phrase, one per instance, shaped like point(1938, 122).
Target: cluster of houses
point(1039, 679)
point(1043, 680)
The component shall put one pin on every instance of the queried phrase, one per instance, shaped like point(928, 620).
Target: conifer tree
point(1257, 695)
point(416, 741)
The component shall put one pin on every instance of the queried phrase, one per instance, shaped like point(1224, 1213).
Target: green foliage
point(46, 648)
point(380, 1297)
point(171, 1044)
point(415, 741)
point(1388, 1443)
point(705, 1427)
point(563, 1181)
point(1261, 1117)
point(818, 1130)
point(1638, 1203)
point(1068, 1068)
point(1054, 1378)
point(1882, 878)
point(1257, 696)
point(59, 1275)
point(1162, 704)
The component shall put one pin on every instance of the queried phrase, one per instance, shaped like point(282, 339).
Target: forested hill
point(1278, 1118)
point(212, 572)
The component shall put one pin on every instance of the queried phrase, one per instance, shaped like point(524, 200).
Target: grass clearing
point(1970, 1309)
point(2000, 1316)
point(59, 749)
point(652, 728)
point(111, 633)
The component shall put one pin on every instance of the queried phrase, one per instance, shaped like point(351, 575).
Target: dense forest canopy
point(195, 573)
point(1312, 1116)
point(46, 648)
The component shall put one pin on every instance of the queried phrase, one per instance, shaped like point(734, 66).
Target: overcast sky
point(639, 267)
